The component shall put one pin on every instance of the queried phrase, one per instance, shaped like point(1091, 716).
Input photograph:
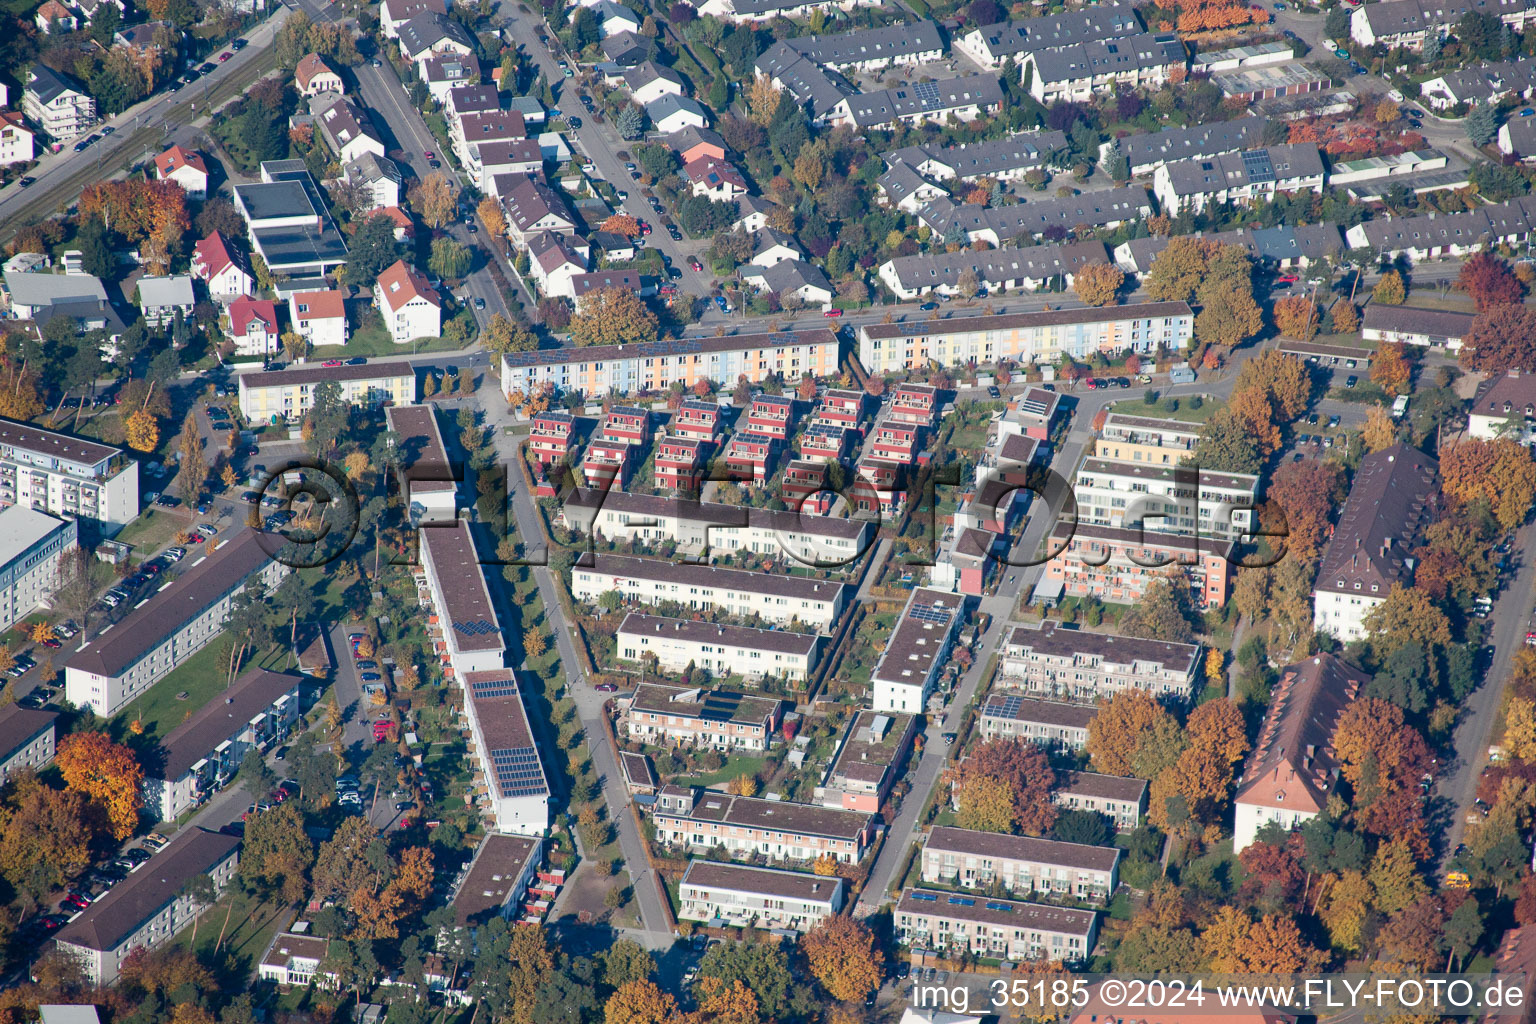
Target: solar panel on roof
point(994, 905)
point(487, 688)
point(961, 901)
point(1256, 163)
point(477, 627)
point(926, 897)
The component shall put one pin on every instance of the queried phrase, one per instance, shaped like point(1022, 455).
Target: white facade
point(16, 139)
point(719, 650)
point(780, 599)
point(67, 476)
point(757, 897)
point(28, 740)
point(318, 317)
point(917, 651)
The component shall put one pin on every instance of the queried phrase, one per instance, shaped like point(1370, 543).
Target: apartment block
point(67, 476)
point(870, 758)
point(700, 527)
point(627, 423)
point(150, 906)
point(31, 546)
point(804, 486)
point(680, 463)
point(1150, 439)
point(202, 754)
point(509, 779)
point(26, 740)
point(1049, 723)
point(165, 629)
point(997, 929)
point(701, 421)
point(1118, 565)
point(748, 826)
point(735, 895)
point(896, 442)
point(841, 407)
point(552, 437)
point(461, 621)
point(290, 393)
point(1042, 337)
point(61, 106)
point(655, 366)
point(426, 477)
point(914, 405)
point(751, 457)
point(719, 719)
point(826, 442)
point(783, 600)
point(1184, 500)
point(1122, 801)
point(718, 649)
point(917, 651)
point(500, 874)
point(1020, 864)
point(1049, 660)
point(609, 463)
point(773, 415)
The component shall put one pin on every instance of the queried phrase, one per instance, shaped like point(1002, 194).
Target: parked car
point(174, 554)
point(605, 688)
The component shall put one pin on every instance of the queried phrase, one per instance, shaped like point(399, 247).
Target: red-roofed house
point(223, 268)
point(185, 169)
point(404, 227)
point(411, 308)
point(717, 179)
point(314, 76)
point(319, 317)
point(253, 326)
point(680, 462)
point(16, 139)
point(698, 420)
point(55, 17)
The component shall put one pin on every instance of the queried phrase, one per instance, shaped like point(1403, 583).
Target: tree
point(491, 215)
point(1296, 317)
point(1306, 493)
point(255, 777)
point(1389, 368)
point(1281, 378)
point(1116, 733)
point(1488, 280)
point(1380, 430)
point(612, 316)
point(372, 248)
point(435, 198)
point(843, 956)
point(1501, 338)
point(1390, 291)
point(1394, 877)
point(1163, 613)
point(450, 259)
point(193, 472)
point(1497, 474)
point(142, 431)
point(45, 836)
point(1226, 445)
point(1406, 615)
point(107, 773)
point(1463, 930)
point(625, 961)
point(1228, 314)
point(762, 968)
point(1005, 785)
point(1096, 284)
point(1088, 828)
point(276, 854)
point(622, 224)
point(630, 122)
point(639, 1002)
point(1177, 271)
point(1345, 317)
point(1482, 124)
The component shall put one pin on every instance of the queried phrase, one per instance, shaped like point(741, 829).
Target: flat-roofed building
point(736, 895)
point(679, 463)
point(697, 527)
point(639, 774)
point(700, 421)
point(917, 651)
point(551, 439)
point(1118, 565)
point(463, 626)
point(785, 600)
point(1040, 337)
point(510, 777)
point(1393, 497)
point(1020, 864)
point(172, 624)
point(1185, 500)
point(868, 761)
point(290, 393)
point(1131, 438)
point(896, 442)
point(609, 463)
point(1031, 415)
point(500, 874)
point(427, 478)
point(294, 960)
point(1049, 660)
point(31, 545)
point(998, 929)
point(773, 415)
point(1050, 723)
point(289, 221)
point(718, 649)
point(1122, 801)
point(150, 906)
point(825, 442)
point(205, 751)
point(841, 407)
point(67, 476)
point(654, 366)
point(914, 404)
point(748, 826)
point(804, 485)
point(26, 740)
point(673, 716)
point(750, 458)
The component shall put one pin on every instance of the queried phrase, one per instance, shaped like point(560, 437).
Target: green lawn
point(1179, 408)
point(153, 529)
point(374, 340)
point(248, 927)
point(735, 766)
point(201, 677)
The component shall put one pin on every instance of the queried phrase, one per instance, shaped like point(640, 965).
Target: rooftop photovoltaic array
point(1256, 163)
point(518, 771)
point(931, 613)
point(493, 688)
point(477, 627)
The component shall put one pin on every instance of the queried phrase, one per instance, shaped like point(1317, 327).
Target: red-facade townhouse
point(841, 407)
point(897, 442)
point(804, 487)
point(772, 415)
point(550, 441)
point(627, 423)
point(680, 462)
point(824, 442)
point(975, 557)
point(1036, 412)
point(751, 457)
point(879, 485)
point(915, 403)
point(699, 420)
point(608, 463)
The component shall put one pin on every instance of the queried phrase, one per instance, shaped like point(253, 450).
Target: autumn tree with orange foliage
point(1497, 473)
point(1306, 492)
point(1022, 772)
point(1296, 317)
point(843, 956)
point(137, 209)
point(1117, 731)
point(1378, 751)
point(639, 1002)
point(107, 773)
point(622, 224)
point(1389, 368)
point(1489, 281)
point(1097, 284)
point(720, 1003)
point(45, 835)
point(1233, 943)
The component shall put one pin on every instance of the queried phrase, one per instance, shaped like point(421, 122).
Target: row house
point(823, 442)
point(1000, 225)
point(1001, 267)
point(1410, 23)
point(450, 586)
point(1079, 72)
point(1020, 864)
point(1412, 325)
point(1122, 801)
point(1048, 660)
point(956, 924)
point(896, 442)
point(428, 480)
point(804, 486)
point(780, 599)
point(608, 463)
point(775, 829)
point(841, 407)
point(627, 423)
point(719, 649)
point(1006, 159)
point(915, 404)
point(751, 457)
point(552, 437)
point(680, 463)
point(740, 896)
point(773, 415)
point(1184, 500)
point(1249, 176)
point(509, 782)
point(714, 719)
point(963, 98)
point(992, 46)
point(1440, 235)
point(701, 421)
point(1148, 151)
point(1052, 724)
point(880, 486)
point(872, 755)
point(1117, 565)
